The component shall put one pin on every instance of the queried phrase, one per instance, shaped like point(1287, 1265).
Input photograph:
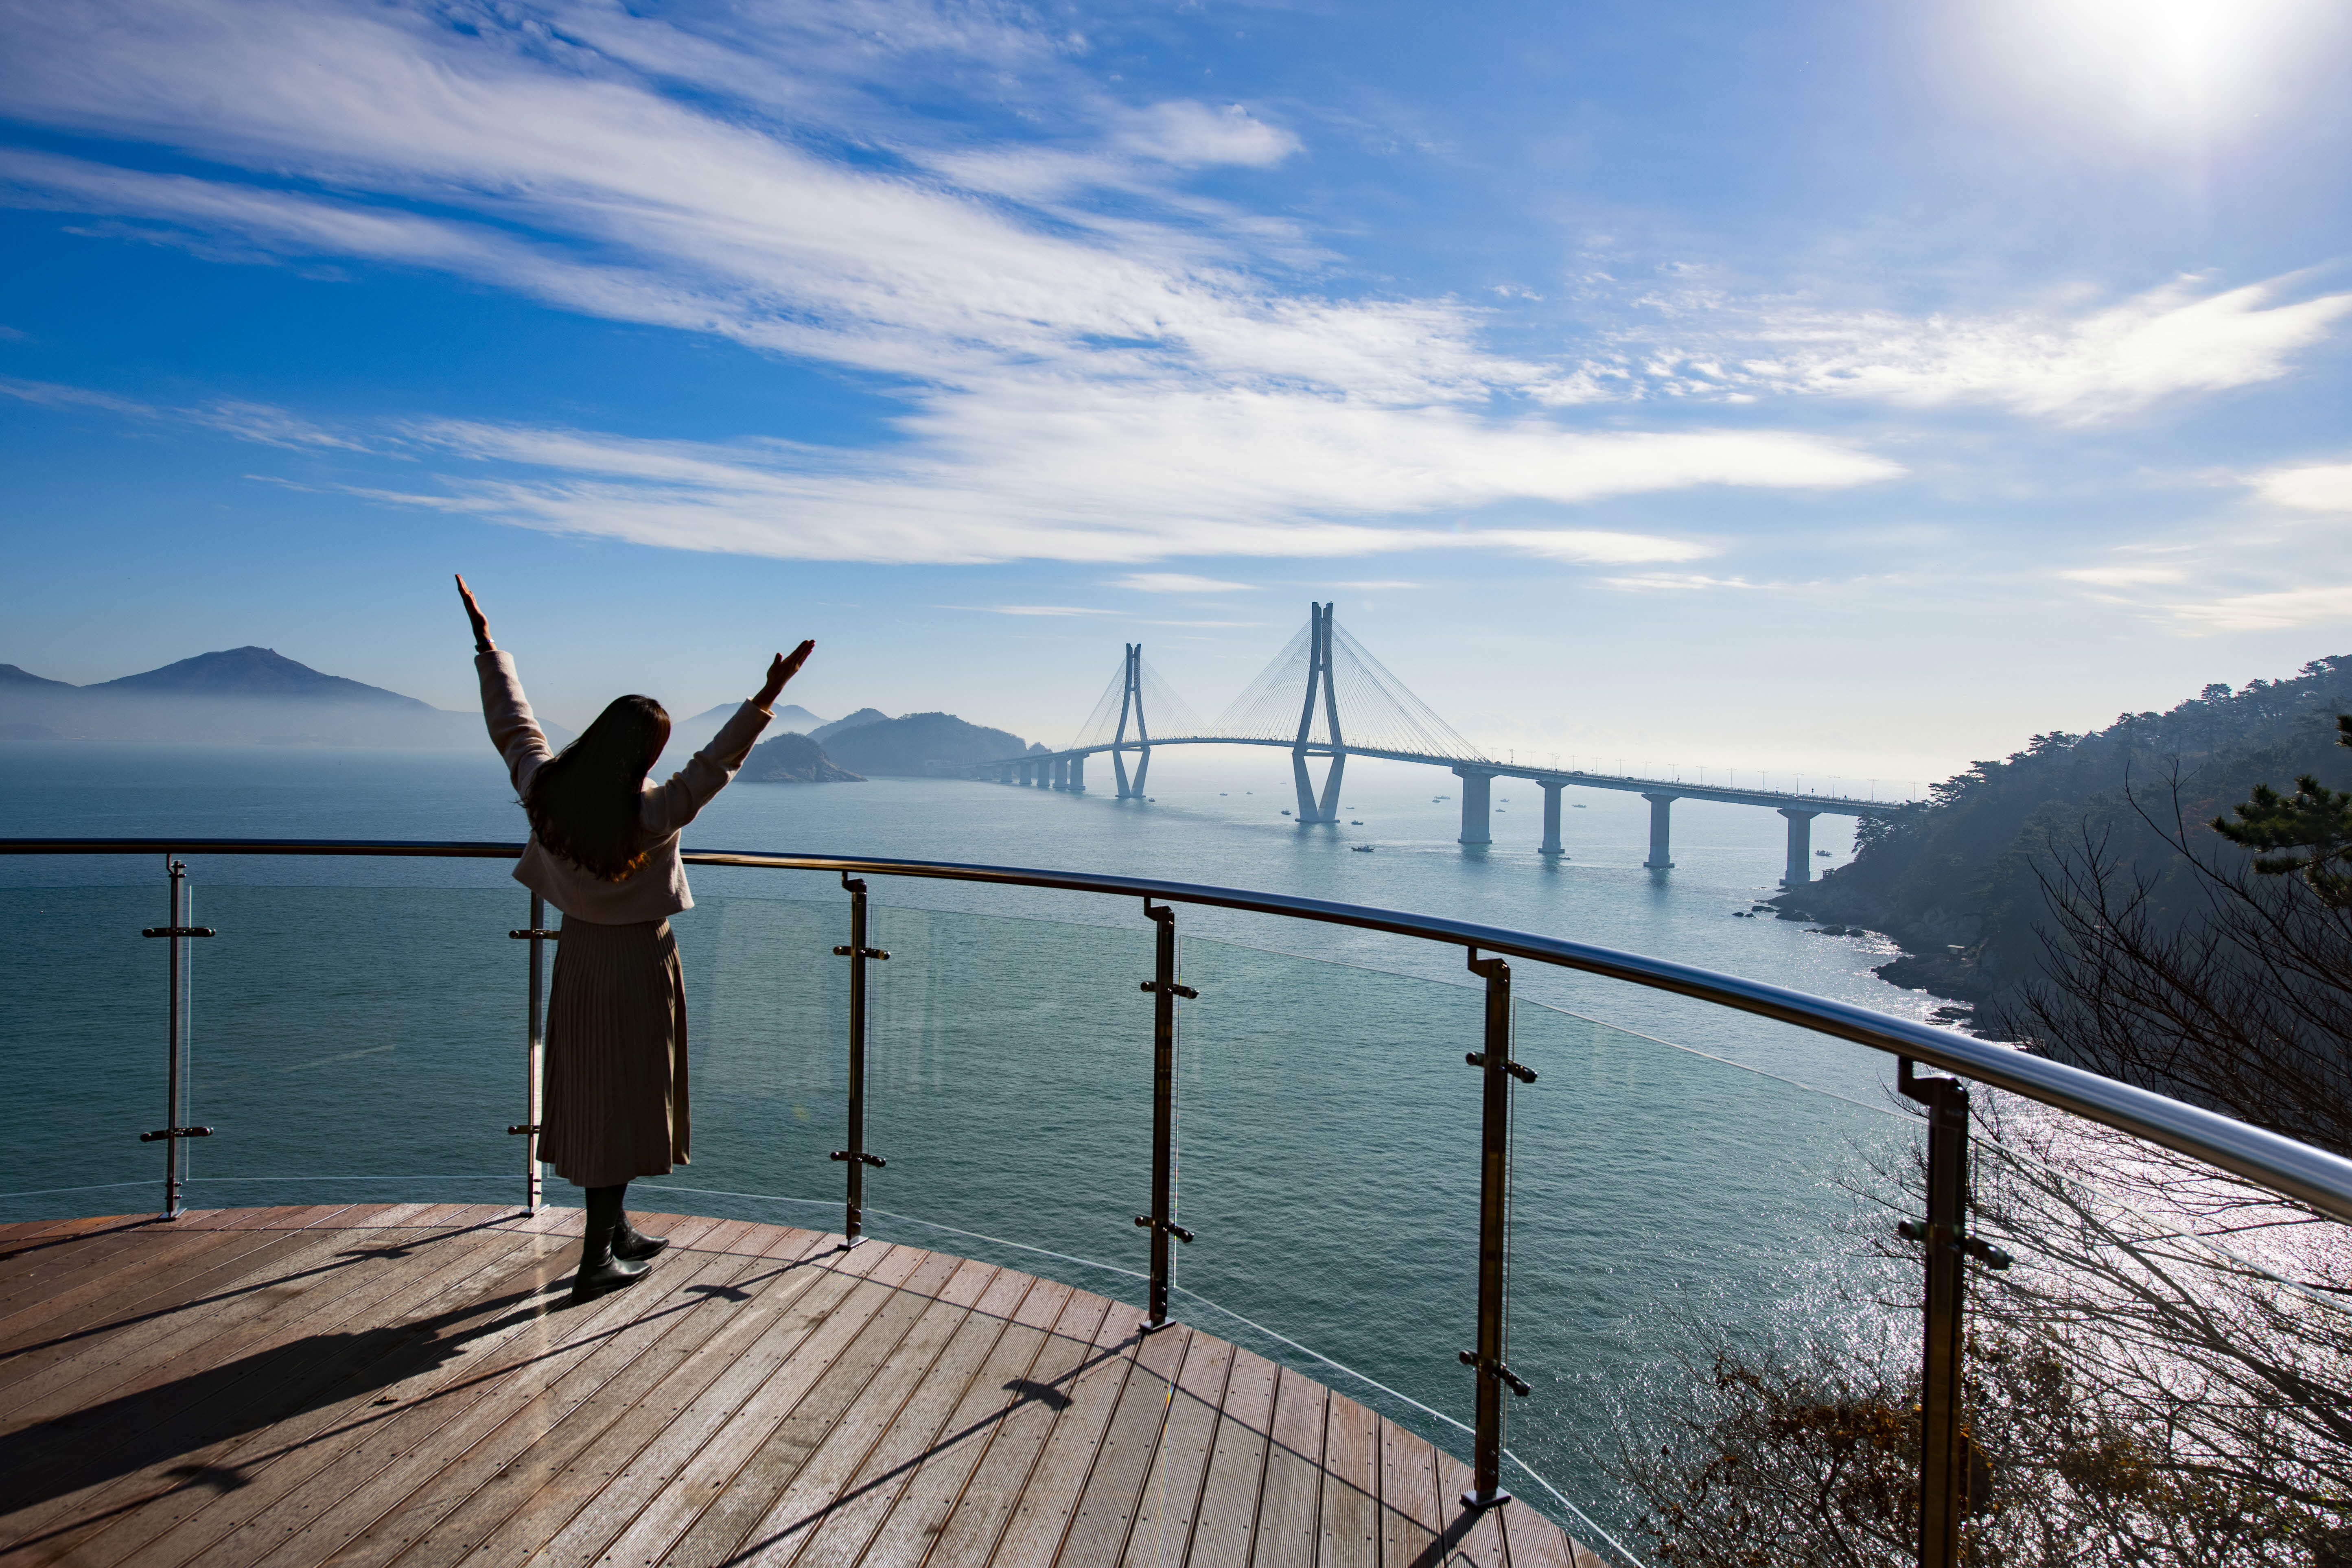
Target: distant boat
point(1578, 805)
point(1359, 848)
point(1355, 822)
point(1285, 811)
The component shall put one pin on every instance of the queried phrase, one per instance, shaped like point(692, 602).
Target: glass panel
point(2164, 1369)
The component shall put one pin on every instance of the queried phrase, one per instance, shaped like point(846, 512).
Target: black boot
point(631, 1243)
point(600, 1270)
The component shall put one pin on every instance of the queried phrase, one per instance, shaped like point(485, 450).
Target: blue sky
point(1852, 386)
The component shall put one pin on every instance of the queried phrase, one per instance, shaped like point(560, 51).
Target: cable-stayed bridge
point(1326, 697)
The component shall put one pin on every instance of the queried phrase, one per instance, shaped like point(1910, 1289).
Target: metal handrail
point(2310, 1175)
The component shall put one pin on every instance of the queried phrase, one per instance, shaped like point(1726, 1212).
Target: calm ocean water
point(359, 1027)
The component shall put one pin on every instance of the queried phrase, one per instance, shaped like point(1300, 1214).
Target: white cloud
point(2125, 576)
point(2074, 367)
point(1027, 609)
point(246, 421)
point(1109, 388)
point(1674, 583)
point(2270, 612)
point(2310, 487)
point(1178, 583)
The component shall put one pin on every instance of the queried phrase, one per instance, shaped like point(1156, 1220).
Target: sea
point(1682, 1177)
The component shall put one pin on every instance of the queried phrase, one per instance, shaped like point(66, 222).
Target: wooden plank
point(757, 1332)
point(1409, 1517)
point(734, 1515)
point(183, 1519)
point(366, 1476)
point(151, 1307)
point(1290, 1499)
point(151, 1261)
point(1534, 1541)
point(695, 1458)
point(891, 1463)
point(854, 1435)
point(1171, 1497)
point(516, 1487)
point(1088, 1327)
point(1003, 1386)
point(1351, 1486)
point(1130, 1444)
point(1042, 1514)
point(247, 1385)
point(318, 1283)
point(227, 1257)
point(1227, 1526)
point(1473, 1537)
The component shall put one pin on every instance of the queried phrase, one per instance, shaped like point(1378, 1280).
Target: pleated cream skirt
point(615, 1105)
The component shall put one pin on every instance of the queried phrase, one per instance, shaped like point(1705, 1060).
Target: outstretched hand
point(474, 613)
point(782, 668)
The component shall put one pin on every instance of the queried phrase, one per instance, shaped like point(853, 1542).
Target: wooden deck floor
point(379, 1384)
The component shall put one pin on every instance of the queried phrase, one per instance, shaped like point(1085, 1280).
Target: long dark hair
point(583, 804)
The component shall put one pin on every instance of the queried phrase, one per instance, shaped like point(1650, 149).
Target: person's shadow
point(188, 1415)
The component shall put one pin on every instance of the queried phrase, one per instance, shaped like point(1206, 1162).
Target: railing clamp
point(1478, 1060)
point(524, 1126)
point(859, 952)
point(862, 1157)
point(1497, 1370)
point(1984, 1251)
point(1149, 1222)
point(179, 930)
point(535, 934)
point(1172, 988)
point(160, 1133)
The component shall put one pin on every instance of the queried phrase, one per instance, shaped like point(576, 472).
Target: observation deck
point(378, 1384)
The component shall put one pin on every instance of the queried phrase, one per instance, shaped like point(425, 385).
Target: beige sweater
point(657, 890)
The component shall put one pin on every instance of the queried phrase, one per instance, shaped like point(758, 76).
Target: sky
point(1843, 386)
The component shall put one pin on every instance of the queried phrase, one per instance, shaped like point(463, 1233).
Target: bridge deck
point(381, 1383)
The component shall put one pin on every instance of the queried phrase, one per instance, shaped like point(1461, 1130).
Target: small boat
point(1355, 822)
point(1285, 811)
point(1359, 848)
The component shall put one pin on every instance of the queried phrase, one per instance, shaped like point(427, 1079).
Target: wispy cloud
point(2074, 364)
point(1675, 583)
point(1087, 387)
point(1178, 583)
point(246, 421)
point(2310, 487)
point(2274, 611)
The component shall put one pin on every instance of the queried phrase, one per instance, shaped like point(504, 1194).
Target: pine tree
point(2315, 821)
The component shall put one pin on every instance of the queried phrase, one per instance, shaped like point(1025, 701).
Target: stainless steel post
point(853, 1224)
point(1944, 1447)
point(1161, 1221)
point(175, 930)
point(534, 1054)
point(1494, 1218)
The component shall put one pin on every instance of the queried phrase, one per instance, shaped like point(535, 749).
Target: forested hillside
point(1957, 880)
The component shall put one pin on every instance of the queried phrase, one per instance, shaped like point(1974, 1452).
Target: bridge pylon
point(1318, 683)
point(1130, 709)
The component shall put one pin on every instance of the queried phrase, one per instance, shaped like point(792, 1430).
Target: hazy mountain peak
point(10, 675)
point(251, 672)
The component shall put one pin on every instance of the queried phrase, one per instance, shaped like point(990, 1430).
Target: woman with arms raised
point(604, 849)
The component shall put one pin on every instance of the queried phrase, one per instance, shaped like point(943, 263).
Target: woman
point(604, 849)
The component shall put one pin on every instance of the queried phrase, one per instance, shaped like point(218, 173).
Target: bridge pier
point(1078, 776)
point(1552, 817)
point(1062, 773)
point(1478, 791)
point(1801, 846)
point(1662, 808)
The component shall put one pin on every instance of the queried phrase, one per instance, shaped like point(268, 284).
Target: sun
point(2178, 66)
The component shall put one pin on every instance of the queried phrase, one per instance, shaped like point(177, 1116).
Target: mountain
point(792, 758)
point(254, 672)
point(688, 736)
point(1955, 880)
point(793, 719)
point(918, 744)
point(862, 717)
point(242, 696)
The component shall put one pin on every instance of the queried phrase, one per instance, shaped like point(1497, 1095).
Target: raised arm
point(514, 730)
point(674, 804)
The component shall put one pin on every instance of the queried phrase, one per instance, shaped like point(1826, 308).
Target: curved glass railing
point(1701, 1281)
